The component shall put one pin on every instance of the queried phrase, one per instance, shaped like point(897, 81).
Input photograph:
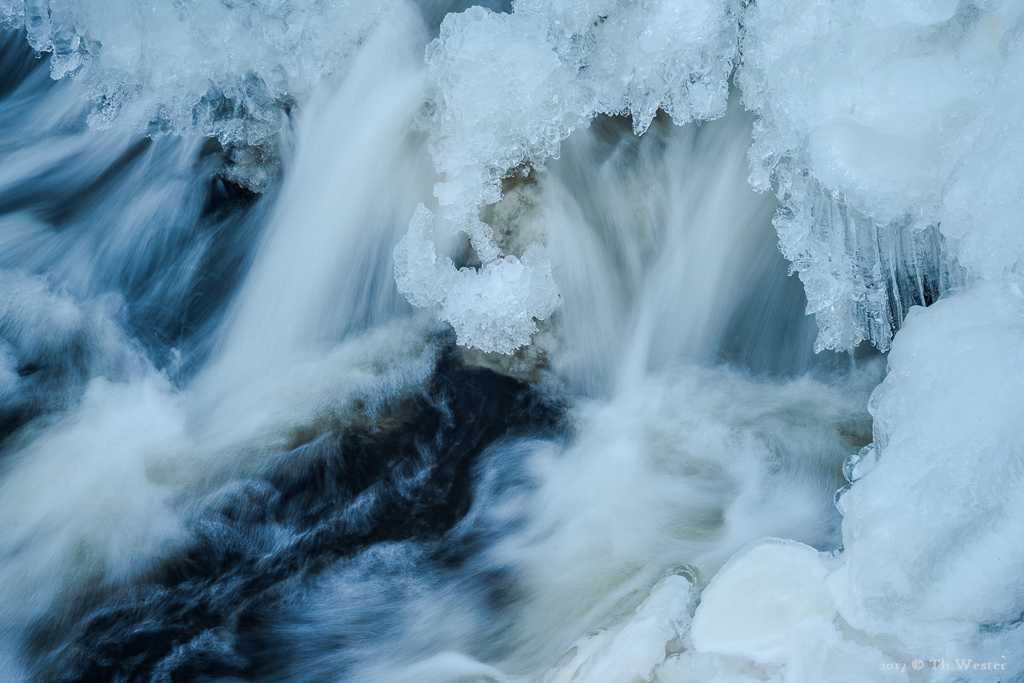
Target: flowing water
point(232, 450)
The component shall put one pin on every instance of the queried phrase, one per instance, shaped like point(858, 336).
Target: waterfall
point(543, 341)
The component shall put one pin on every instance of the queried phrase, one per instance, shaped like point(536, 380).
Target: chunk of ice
point(857, 465)
point(750, 604)
point(492, 308)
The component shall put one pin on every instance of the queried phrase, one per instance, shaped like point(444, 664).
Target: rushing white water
point(397, 342)
point(322, 268)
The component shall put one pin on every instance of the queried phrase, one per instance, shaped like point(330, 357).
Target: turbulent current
point(552, 341)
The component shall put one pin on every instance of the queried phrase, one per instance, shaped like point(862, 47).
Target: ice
point(767, 616)
point(817, 651)
point(748, 607)
point(507, 89)
point(493, 308)
point(840, 500)
point(930, 568)
point(12, 13)
point(880, 157)
point(927, 532)
point(502, 98)
point(631, 651)
point(877, 131)
point(857, 465)
point(984, 199)
point(225, 69)
point(888, 129)
point(637, 58)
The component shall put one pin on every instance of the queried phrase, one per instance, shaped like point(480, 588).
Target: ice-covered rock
point(751, 603)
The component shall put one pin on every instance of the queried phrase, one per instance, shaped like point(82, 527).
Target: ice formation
point(857, 465)
point(492, 308)
point(877, 155)
point(508, 88)
point(878, 127)
point(947, 492)
point(894, 165)
point(229, 70)
point(927, 583)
